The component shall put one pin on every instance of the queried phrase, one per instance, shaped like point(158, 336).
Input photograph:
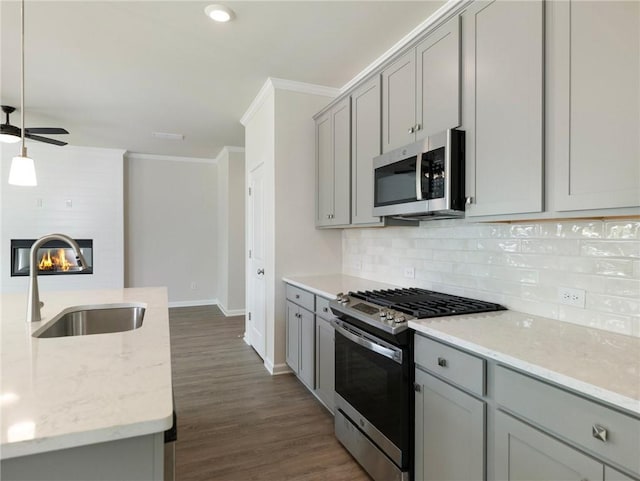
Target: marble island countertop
point(596, 363)
point(64, 392)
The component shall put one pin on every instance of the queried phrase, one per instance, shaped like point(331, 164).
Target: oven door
point(372, 384)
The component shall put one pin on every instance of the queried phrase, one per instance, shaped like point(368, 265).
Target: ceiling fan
point(8, 131)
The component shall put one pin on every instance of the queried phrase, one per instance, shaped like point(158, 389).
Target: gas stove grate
point(423, 303)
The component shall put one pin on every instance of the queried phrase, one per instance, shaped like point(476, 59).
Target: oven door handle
point(394, 354)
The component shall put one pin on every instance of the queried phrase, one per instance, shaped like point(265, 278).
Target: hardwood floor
point(238, 423)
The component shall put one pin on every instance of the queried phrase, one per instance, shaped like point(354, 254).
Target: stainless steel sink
point(97, 319)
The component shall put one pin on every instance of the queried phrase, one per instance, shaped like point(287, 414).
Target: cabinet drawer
point(571, 417)
point(456, 366)
point(301, 297)
point(322, 308)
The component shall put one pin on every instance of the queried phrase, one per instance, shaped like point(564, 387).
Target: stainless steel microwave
point(423, 180)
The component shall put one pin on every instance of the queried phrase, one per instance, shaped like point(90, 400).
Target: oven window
point(396, 183)
point(376, 386)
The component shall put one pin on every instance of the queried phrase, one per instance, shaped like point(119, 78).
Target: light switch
point(69, 203)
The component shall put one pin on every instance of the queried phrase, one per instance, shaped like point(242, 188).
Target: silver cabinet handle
point(468, 200)
point(297, 296)
point(442, 362)
point(418, 127)
point(325, 309)
point(599, 432)
point(260, 271)
point(412, 130)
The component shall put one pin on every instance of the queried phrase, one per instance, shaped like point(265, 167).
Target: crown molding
point(435, 17)
point(170, 158)
point(273, 84)
point(228, 149)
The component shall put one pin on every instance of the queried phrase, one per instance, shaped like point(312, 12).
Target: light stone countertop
point(330, 285)
point(599, 364)
point(71, 391)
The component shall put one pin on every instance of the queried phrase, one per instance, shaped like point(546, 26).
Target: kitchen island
point(85, 407)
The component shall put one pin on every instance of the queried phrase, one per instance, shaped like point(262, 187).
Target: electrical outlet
point(409, 272)
point(572, 297)
point(194, 285)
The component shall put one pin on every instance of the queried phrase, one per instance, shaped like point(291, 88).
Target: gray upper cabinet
point(502, 106)
point(523, 453)
point(593, 59)
point(421, 90)
point(333, 160)
point(399, 102)
point(365, 145)
point(438, 68)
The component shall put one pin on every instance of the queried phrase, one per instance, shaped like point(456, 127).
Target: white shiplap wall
point(518, 265)
point(79, 193)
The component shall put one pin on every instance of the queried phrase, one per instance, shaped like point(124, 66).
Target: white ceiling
point(113, 72)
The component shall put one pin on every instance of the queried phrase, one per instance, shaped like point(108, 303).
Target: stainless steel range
point(374, 372)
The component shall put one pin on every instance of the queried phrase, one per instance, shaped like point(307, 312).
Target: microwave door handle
point(419, 176)
point(395, 356)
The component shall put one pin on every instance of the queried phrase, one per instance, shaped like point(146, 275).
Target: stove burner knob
point(382, 314)
point(399, 320)
point(390, 316)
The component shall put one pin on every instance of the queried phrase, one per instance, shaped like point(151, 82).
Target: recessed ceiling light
point(219, 13)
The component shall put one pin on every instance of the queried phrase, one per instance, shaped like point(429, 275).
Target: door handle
point(260, 271)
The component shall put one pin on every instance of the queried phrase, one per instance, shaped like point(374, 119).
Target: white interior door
point(256, 262)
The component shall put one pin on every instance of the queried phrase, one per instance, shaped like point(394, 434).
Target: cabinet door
point(438, 82)
point(502, 48)
point(449, 437)
point(611, 474)
point(594, 103)
point(365, 145)
point(341, 119)
point(325, 362)
point(324, 170)
point(307, 348)
point(523, 453)
point(399, 102)
point(293, 337)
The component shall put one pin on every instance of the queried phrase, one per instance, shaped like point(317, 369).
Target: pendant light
point(23, 171)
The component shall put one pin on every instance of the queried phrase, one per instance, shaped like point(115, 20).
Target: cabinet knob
point(412, 130)
point(260, 271)
point(442, 362)
point(599, 432)
point(297, 296)
point(418, 127)
point(468, 200)
point(325, 309)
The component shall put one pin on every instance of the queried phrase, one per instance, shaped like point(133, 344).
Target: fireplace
point(54, 257)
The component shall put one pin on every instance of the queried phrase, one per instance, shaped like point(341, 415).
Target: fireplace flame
point(56, 262)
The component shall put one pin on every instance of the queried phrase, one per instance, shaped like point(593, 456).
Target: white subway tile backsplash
point(551, 246)
point(519, 265)
point(572, 230)
point(611, 249)
point(622, 230)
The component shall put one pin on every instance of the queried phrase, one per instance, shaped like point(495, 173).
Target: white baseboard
point(231, 312)
point(246, 340)
point(200, 302)
point(277, 369)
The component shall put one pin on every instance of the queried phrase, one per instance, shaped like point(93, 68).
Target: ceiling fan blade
point(45, 139)
point(46, 130)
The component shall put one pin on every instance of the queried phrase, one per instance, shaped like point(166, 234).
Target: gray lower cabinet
point(325, 362)
point(502, 106)
point(593, 71)
point(449, 436)
point(300, 343)
point(523, 453)
point(333, 161)
point(139, 458)
point(477, 419)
